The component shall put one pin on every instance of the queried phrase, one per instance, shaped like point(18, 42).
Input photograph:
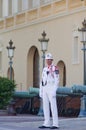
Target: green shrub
point(7, 88)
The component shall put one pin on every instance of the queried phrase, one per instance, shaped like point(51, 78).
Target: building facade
point(23, 22)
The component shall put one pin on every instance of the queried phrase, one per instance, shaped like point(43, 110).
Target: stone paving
point(30, 122)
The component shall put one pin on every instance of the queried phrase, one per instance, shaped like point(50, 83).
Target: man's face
point(49, 61)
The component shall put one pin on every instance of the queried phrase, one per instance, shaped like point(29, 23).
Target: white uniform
point(48, 88)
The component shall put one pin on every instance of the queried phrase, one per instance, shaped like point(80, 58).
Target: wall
point(25, 29)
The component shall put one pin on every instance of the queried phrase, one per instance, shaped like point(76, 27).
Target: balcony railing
point(43, 9)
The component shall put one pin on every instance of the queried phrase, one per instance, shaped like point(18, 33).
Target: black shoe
point(43, 127)
point(54, 127)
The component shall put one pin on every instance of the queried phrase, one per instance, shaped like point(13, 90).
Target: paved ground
point(29, 122)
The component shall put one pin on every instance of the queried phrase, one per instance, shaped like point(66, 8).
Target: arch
point(62, 73)
point(33, 67)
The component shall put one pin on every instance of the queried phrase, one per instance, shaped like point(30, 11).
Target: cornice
point(44, 19)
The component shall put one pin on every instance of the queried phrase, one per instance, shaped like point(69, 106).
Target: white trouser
point(49, 97)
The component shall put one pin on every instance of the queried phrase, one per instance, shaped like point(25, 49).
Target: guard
point(48, 88)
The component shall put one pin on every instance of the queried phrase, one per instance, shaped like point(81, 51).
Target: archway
point(33, 67)
point(62, 73)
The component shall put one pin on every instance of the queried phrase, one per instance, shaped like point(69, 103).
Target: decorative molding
point(36, 16)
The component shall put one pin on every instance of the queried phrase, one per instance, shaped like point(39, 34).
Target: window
point(5, 8)
point(36, 3)
point(14, 6)
point(25, 4)
point(19, 5)
point(45, 1)
point(10, 7)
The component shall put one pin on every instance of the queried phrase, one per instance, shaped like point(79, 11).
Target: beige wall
point(59, 29)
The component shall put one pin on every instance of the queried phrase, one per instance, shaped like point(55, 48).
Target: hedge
point(7, 88)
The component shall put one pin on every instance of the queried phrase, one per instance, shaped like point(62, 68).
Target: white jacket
point(50, 77)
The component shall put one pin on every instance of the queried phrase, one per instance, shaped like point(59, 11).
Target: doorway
point(33, 67)
point(62, 73)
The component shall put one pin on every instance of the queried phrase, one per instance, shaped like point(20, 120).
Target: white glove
point(41, 91)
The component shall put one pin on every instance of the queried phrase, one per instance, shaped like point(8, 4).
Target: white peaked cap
point(49, 56)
